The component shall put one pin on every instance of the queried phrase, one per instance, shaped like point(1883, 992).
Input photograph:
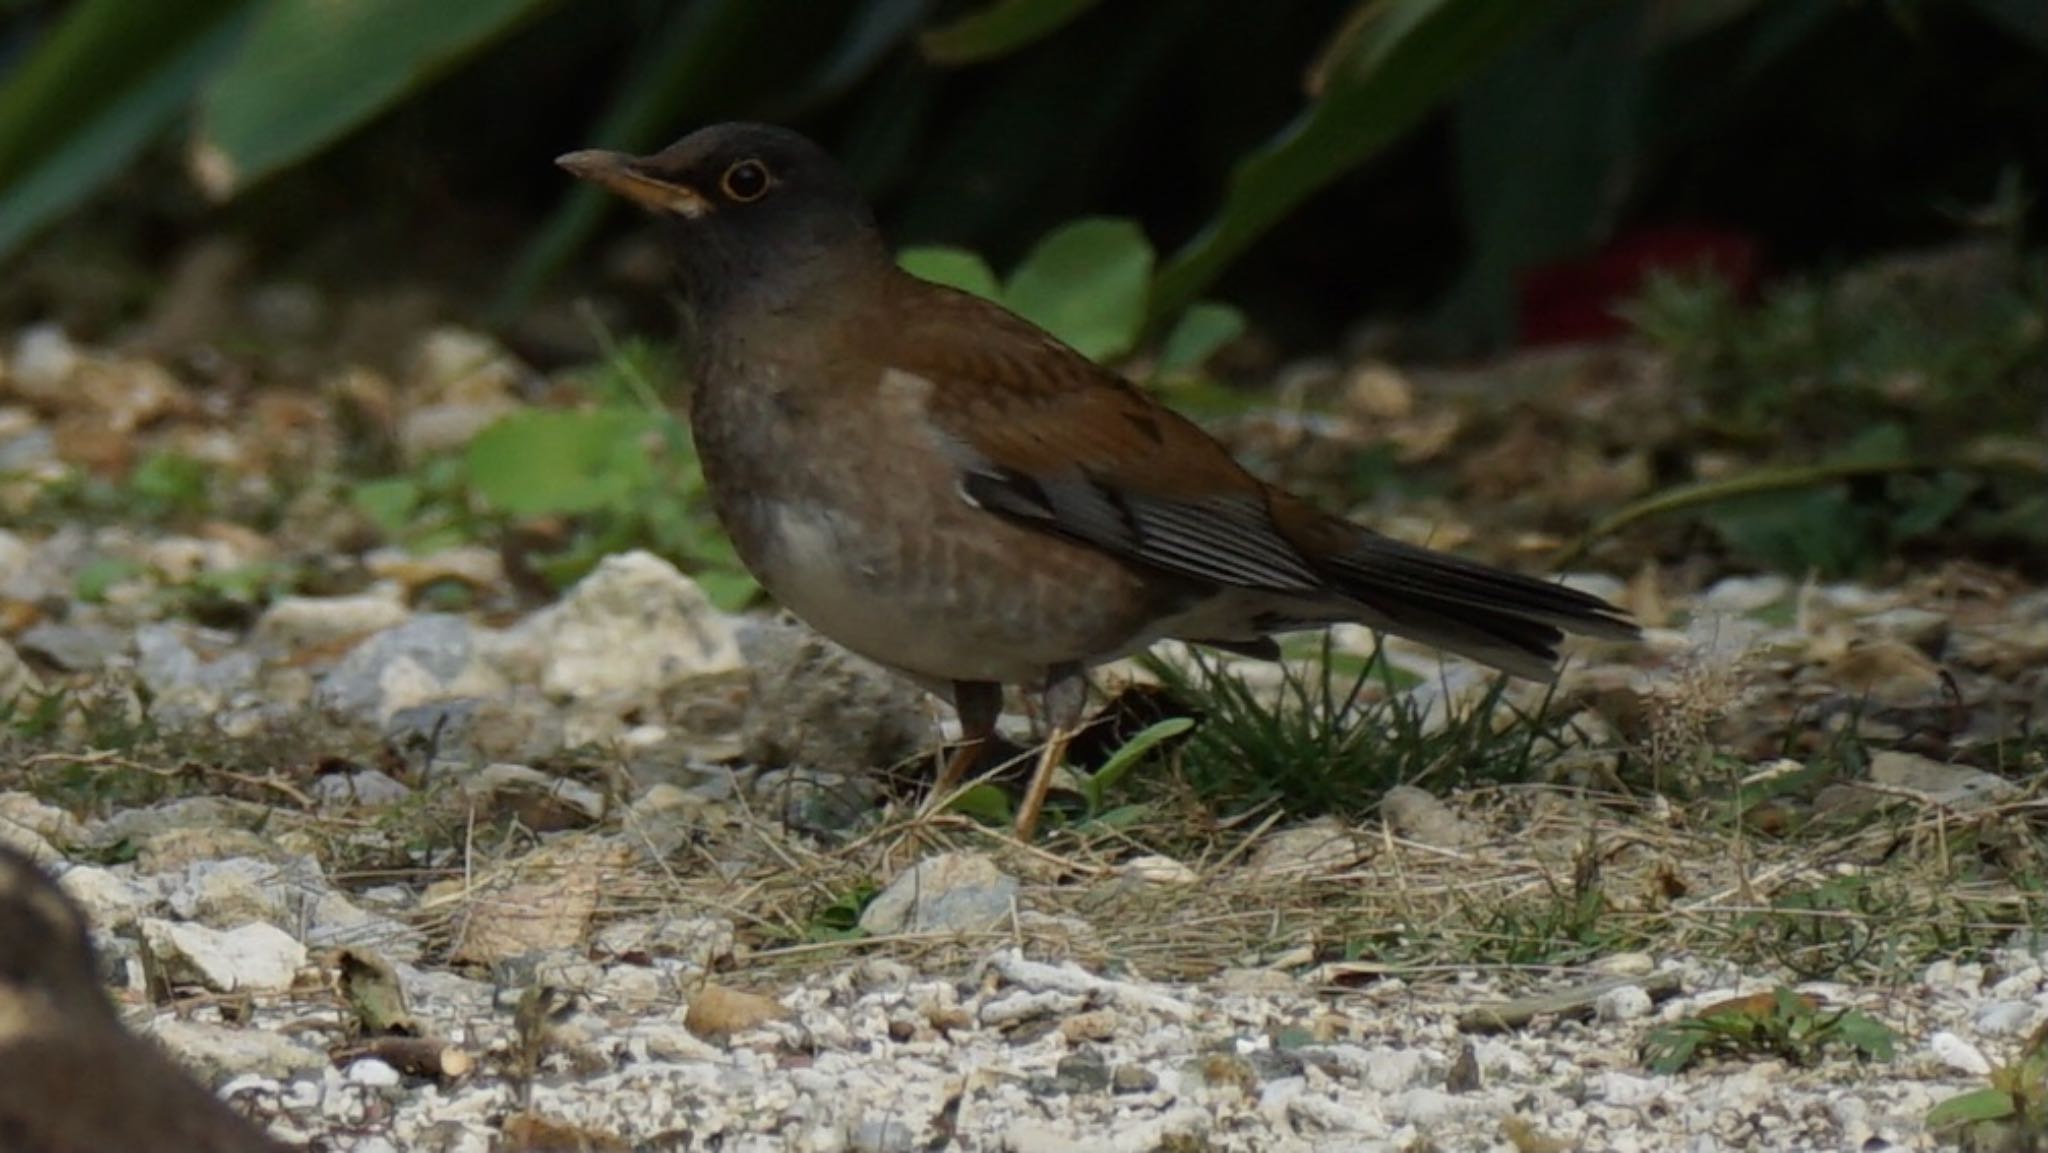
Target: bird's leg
point(979, 703)
point(1066, 692)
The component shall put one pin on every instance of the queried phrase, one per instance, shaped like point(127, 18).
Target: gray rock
point(703, 942)
point(74, 646)
point(361, 788)
point(1422, 817)
point(2005, 1018)
point(187, 688)
point(1133, 1079)
point(632, 629)
point(215, 1053)
point(814, 704)
point(16, 679)
point(1081, 1073)
point(882, 1136)
point(294, 623)
point(814, 801)
point(1313, 849)
point(112, 902)
point(430, 657)
point(1956, 787)
point(255, 957)
point(956, 892)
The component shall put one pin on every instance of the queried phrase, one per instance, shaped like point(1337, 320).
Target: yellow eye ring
point(745, 181)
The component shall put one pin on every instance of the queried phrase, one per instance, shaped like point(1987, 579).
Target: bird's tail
point(1509, 621)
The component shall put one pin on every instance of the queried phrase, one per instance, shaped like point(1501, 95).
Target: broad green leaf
point(954, 267)
point(1970, 1108)
point(551, 461)
point(388, 503)
point(1086, 283)
point(998, 29)
point(1396, 61)
point(1199, 334)
point(312, 70)
point(110, 78)
point(1133, 751)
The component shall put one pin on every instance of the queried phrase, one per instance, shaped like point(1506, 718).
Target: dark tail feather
point(1512, 622)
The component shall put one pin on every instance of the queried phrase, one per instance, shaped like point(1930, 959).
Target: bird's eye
point(745, 181)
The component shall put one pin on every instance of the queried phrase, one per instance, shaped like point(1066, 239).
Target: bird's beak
point(623, 174)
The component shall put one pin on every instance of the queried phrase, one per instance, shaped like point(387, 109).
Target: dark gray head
point(752, 212)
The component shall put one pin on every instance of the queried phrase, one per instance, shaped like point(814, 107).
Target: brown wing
point(1046, 437)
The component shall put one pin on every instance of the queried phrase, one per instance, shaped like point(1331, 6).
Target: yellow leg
point(1033, 802)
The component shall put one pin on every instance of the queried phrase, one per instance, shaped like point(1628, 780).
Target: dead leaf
point(717, 1012)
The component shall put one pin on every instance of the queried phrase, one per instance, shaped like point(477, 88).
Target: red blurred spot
point(1576, 300)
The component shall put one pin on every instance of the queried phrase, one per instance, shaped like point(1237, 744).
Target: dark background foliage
point(1473, 141)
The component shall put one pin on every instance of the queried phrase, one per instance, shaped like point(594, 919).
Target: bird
point(945, 488)
point(72, 1079)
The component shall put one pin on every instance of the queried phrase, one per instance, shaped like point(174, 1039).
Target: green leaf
point(1201, 332)
point(998, 29)
point(954, 267)
point(985, 803)
point(545, 462)
point(1395, 61)
point(1867, 1034)
point(109, 79)
point(730, 589)
point(98, 577)
point(1972, 1108)
point(1086, 283)
point(1133, 751)
point(387, 503)
point(312, 70)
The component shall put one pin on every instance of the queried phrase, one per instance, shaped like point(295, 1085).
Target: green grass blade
point(1395, 62)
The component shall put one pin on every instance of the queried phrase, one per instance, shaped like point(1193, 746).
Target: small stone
point(1096, 1025)
point(882, 1136)
point(1957, 1054)
point(1081, 1073)
point(112, 903)
point(1317, 848)
point(253, 958)
point(631, 629)
point(2005, 1018)
point(816, 705)
point(1423, 818)
point(17, 680)
point(215, 1052)
point(1133, 1079)
point(1627, 1003)
point(294, 624)
point(74, 647)
point(1153, 869)
point(1742, 595)
point(432, 656)
point(360, 789)
point(717, 1012)
point(950, 892)
point(372, 1073)
point(1956, 787)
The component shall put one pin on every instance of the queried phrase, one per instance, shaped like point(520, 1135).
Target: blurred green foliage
point(989, 122)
